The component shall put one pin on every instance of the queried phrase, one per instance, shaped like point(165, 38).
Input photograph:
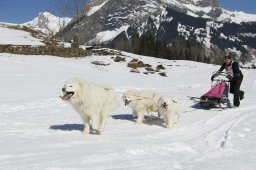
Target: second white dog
point(140, 101)
point(169, 107)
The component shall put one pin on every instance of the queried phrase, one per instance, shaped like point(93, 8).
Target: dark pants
point(235, 89)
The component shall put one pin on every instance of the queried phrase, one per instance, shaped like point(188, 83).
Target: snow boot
point(241, 95)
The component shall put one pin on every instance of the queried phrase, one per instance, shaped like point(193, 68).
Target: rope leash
point(153, 97)
point(182, 99)
point(141, 98)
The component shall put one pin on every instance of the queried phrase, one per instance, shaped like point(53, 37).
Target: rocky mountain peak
point(201, 21)
point(206, 3)
point(48, 23)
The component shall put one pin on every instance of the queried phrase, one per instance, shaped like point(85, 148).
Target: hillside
point(44, 132)
point(13, 34)
point(20, 39)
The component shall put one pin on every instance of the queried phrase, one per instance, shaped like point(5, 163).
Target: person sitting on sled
point(235, 77)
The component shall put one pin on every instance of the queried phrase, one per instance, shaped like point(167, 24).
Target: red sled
point(217, 96)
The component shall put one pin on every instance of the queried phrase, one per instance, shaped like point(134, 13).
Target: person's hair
point(228, 57)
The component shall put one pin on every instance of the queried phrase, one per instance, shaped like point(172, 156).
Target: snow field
point(39, 131)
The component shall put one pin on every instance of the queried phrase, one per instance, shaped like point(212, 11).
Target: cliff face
point(200, 21)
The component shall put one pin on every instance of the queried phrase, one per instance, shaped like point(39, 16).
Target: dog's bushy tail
point(112, 100)
point(105, 86)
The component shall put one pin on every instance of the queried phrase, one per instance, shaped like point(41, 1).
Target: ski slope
point(40, 131)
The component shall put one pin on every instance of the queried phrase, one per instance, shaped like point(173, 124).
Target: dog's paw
point(150, 118)
point(138, 123)
point(134, 115)
point(169, 126)
point(96, 132)
point(85, 132)
point(148, 122)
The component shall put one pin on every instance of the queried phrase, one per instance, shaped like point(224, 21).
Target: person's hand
point(229, 77)
point(212, 78)
point(215, 75)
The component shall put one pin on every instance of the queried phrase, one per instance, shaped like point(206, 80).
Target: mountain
point(195, 21)
point(210, 9)
point(48, 23)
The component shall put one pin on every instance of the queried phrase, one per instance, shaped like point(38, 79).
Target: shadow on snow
point(154, 121)
point(68, 127)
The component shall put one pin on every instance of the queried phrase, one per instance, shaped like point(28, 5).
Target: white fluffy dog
point(141, 101)
point(169, 107)
point(92, 101)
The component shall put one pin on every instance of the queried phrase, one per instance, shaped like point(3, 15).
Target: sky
point(248, 6)
point(20, 11)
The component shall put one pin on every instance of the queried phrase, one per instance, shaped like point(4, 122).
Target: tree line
point(147, 45)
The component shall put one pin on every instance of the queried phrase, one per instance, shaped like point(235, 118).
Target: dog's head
point(70, 89)
point(164, 102)
point(128, 97)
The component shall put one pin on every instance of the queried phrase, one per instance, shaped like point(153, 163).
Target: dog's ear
point(80, 84)
point(174, 99)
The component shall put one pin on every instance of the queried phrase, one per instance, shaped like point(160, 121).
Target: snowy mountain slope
point(48, 23)
point(206, 22)
point(16, 37)
point(236, 17)
point(39, 131)
point(211, 10)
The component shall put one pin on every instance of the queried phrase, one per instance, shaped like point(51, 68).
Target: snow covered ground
point(17, 37)
point(40, 131)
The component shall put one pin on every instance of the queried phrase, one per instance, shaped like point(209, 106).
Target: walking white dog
point(169, 107)
point(92, 101)
point(141, 101)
